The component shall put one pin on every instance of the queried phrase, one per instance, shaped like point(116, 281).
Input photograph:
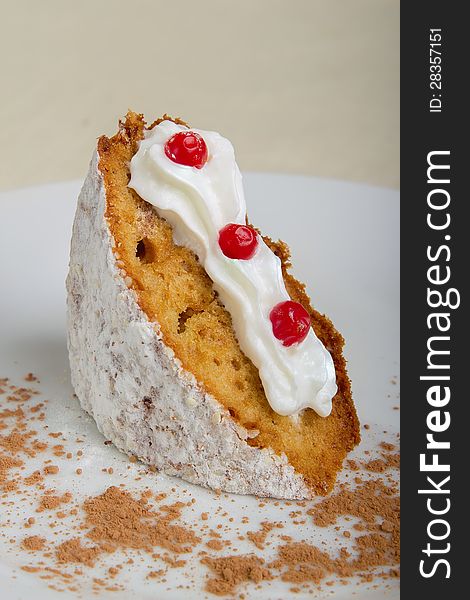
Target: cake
point(172, 348)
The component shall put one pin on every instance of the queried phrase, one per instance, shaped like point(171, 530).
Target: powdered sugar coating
point(136, 389)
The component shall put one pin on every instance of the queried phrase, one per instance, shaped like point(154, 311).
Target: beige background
point(303, 86)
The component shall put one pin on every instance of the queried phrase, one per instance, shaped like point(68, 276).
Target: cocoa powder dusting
point(300, 562)
point(259, 537)
point(215, 544)
point(374, 503)
point(51, 502)
point(72, 551)
point(377, 506)
point(7, 463)
point(33, 542)
point(117, 521)
point(155, 574)
point(230, 571)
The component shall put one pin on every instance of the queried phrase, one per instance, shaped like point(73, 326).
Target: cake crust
point(155, 361)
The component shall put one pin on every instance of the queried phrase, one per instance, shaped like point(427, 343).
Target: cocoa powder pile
point(231, 571)
point(33, 542)
point(124, 525)
point(259, 537)
point(117, 520)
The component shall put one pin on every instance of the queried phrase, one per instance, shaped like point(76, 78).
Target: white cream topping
point(198, 203)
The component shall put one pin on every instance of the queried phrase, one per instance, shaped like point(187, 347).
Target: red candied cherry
point(238, 241)
point(290, 321)
point(187, 148)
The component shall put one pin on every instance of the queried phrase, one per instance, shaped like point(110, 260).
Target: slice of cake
point(190, 343)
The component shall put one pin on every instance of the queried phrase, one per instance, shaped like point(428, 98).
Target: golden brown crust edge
point(317, 446)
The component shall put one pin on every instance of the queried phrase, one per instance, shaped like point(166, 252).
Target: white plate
point(345, 243)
